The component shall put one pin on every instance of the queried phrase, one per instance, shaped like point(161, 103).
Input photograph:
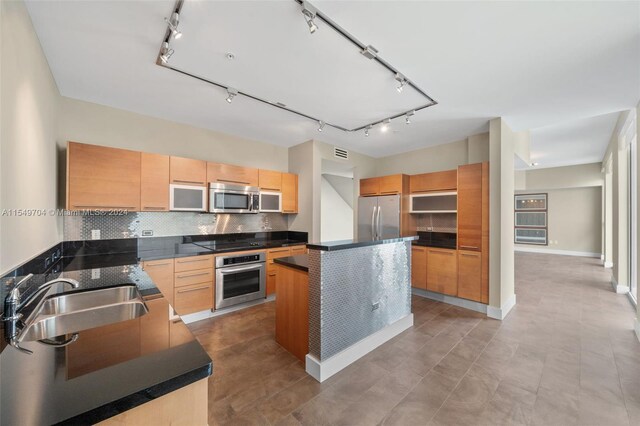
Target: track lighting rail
point(309, 13)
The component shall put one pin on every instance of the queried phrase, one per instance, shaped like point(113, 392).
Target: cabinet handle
point(187, 290)
point(270, 189)
point(188, 181)
point(193, 275)
point(156, 264)
point(389, 192)
point(442, 252)
point(469, 247)
point(233, 181)
point(104, 207)
point(470, 254)
point(278, 251)
point(192, 261)
point(153, 208)
point(288, 211)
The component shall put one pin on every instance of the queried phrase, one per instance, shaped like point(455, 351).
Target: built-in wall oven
point(226, 198)
point(240, 278)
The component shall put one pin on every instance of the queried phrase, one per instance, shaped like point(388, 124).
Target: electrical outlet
point(147, 233)
point(375, 306)
point(56, 255)
point(95, 234)
point(47, 262)
point(95, 274)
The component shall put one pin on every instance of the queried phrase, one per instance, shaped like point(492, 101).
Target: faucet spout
point(44, 287)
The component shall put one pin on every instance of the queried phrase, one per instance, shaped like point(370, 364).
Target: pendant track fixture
point(311, 16)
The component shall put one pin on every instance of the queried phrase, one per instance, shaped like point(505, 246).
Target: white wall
point(30, 103)
point(336, 214)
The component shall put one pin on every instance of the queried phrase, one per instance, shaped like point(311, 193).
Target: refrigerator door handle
point(373, 223)
point(379, 223)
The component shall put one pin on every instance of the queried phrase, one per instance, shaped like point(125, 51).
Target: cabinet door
point(296, 250)
point(289, 193)
point(154, 327)
point(391, 184)
point(161, 273)
point(419, 267)
point(154, 182)
point(227, 173)
point(187, 171)
point(470, 207)
point(191, 263)
point(101, 178)
point(437, 181)
point(442, 271)
point(370, 186)
point(272, 267)
point(270, 180)
point(470, 275)
point(193, 298)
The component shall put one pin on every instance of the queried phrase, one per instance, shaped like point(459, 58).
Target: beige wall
point(30, 102)
point(474, 149)
point(579, 176)
point(301, 162)
point(637, 322)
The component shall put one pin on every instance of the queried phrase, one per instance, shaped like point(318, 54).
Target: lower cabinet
point(419, 267)
point(470, 275)
point(193, 298)
point(442, 271)
point(272, 271)
point(154, 327)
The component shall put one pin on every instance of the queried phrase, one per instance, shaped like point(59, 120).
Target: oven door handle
point(256, 266)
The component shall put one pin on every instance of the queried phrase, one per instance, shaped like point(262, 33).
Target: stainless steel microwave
point(226, 198)
point(187, 198)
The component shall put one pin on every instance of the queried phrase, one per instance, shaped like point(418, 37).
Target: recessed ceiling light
point(231, 93)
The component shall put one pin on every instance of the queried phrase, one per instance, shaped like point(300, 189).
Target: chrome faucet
point(13, 306)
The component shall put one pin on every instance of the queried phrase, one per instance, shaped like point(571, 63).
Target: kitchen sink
point(74, 312)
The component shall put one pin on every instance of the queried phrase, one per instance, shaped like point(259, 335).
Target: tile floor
point(566, 355)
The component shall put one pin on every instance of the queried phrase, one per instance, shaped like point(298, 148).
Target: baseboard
point(451, 300)
point(619, 288)
point(608, 264)
point(501, 312)
point(560, 252)
point(203, 315)
point(637, 328)
point(322, 370)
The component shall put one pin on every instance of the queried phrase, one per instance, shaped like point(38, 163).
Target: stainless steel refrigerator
point(379, 217)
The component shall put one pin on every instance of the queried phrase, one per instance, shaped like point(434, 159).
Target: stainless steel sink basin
point(74, 312)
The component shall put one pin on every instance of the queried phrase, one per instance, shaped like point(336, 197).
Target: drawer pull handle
point(148, 265)
point(192, 261)
point(289, 211)
point(233, 181)
point(469, 255)
point(270, 189)
point(153, 208)
point(441, 252)
point(187, 290)
point(193, 275)
point(469, 247)
point(389, 192)
point(189, 181)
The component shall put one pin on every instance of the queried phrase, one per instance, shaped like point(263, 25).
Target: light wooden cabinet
point(193, 298)
point(292, 311)
point(436, 181)
point(272, 269)
point(161, 272)
point(154, 327)
point(187, 171)
point(289, 193)
point(270, 180)
point(369, 187)
point(470, 207)
point(470, 275)
point(442, 271)
point(154, 182)
point(193, 284)
point(179, 334)
point(296, 250)
point(102, 178)
point(227, 173)
point(419, 267)
point(191, 263)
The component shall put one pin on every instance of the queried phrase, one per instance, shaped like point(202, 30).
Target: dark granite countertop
point(447, 240)
point(349, 244)
point(73, 385)
point(300, 262)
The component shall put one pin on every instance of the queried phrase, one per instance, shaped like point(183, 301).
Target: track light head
point(321, 125)
point(231, 93)
point(402, 80)
point(165, 52)
point(173, 23)
point(385, 125)
point(309, 13)
point(366, 130)
point(407, 117)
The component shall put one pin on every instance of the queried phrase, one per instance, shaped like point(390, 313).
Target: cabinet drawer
point(295, 250)
point(278, 252)
point(161, 272)
point(193, 277)
point(193, 298)
point(191, 263)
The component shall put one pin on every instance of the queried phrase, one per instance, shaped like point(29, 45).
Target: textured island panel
point(356, 292)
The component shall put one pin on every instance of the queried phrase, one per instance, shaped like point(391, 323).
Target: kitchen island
point(357, 294)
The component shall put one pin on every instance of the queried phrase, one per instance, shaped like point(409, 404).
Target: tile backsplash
point(436, 222)
point(166, 224)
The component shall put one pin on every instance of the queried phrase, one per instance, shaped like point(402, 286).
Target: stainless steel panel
point(389, 216)
point(366, 217)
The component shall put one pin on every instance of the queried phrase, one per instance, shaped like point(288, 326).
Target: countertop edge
point(294, 262)
point(349, 244)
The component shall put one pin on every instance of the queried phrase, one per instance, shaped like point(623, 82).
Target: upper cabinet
point(384, 185)
point(270, 180)
point(289, 193)
point(187, 171)
point(154, 182)
point(437, 181)
point(227, 173)
point(102, 178)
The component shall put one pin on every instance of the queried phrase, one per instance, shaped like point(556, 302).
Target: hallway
point(566, 354)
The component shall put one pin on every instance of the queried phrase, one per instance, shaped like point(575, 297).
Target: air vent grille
point(340, 153)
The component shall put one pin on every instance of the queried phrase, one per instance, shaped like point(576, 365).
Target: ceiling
point(537, 64)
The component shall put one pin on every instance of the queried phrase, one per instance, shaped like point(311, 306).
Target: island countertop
point(300, 262)
point(349, 244)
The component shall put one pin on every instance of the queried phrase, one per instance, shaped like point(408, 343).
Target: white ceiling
point(536, 64)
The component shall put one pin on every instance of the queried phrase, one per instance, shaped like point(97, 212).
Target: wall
point(583, 175)
point(336, 215)
point(30, 104)
point(474, 149)
point(302, 162)
point(637, 321)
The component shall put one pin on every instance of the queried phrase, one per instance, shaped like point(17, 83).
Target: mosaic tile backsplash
point(436, 222)
point(167, 224)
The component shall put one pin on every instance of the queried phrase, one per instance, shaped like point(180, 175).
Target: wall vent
point(340, 153)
